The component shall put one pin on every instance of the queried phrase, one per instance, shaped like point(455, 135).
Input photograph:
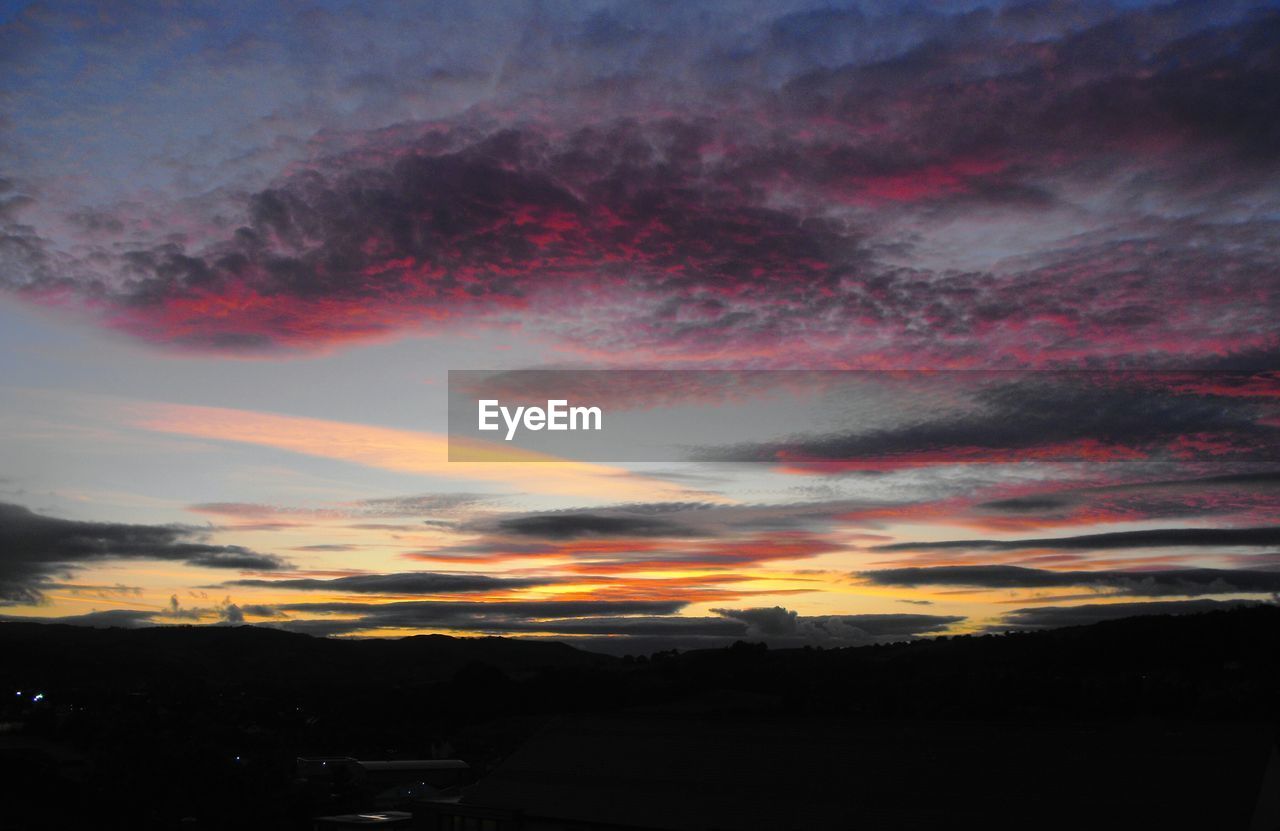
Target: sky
point(241, 246)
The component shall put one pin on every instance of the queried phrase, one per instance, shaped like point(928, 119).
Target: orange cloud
point(404, 451)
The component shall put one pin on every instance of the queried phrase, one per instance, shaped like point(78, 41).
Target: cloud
point(1247, 497)
point(419, 582)
point(1187, 581)
point(176, 611)
point(318, 628)
point(385, 507)
point(510, 616)
point(647, 536)
point(654, 623)
point(258, 610)
point(123, 618)
point(1110, 541)
point(783, 626)
point(568, 525)
point(1046, 617)
point(38, 549)
point(224, 611)
point(446, 610)
point(773, 186)
point(101, 591)
point(1046, 416)
point(619, 555)
point(404, 451)
point(462, 226)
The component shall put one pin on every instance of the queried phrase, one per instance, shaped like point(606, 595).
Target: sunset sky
point(241, 245)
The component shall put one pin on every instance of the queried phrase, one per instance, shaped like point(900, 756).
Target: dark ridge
point(204, 723)
point(62, 653)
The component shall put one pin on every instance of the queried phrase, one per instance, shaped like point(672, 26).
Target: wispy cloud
point(397, 450)
point(39, 549)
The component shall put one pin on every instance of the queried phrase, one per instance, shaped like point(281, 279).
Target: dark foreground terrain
point(1157, 722)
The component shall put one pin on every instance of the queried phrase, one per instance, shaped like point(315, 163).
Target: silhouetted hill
point(57, 653)
point(1136, 664)
point(1202, 665)
point(210, 719)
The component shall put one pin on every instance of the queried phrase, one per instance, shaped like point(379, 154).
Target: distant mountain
point(63, 654)
point(1221, 656)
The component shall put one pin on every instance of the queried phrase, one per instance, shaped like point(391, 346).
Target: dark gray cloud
point(319, 628)
point(1254, 480)
point(1113, 540)
point(382, 507)
point(653, 624)
point(103, 591)
point(677, 519)
point(776, 626)
point(259, 610)
point(632, 626)
point(569, 525)
point(656, 535)
point(425, 504)
point(1048, 617)
point(479, 615)
point(1166, 582)
point(226, 613)
point(123, 618)
point(1027, 504)
point(779, 623)
point(38, 549)
point(1246, 497)
point(413, 582)
point(1065, 416)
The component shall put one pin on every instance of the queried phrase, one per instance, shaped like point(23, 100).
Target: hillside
point(212, 718)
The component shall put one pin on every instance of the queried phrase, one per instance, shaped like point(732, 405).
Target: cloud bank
point(1001, 185)
point(39, 550)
